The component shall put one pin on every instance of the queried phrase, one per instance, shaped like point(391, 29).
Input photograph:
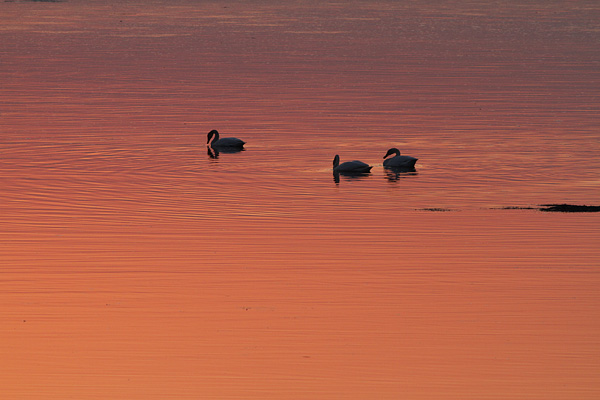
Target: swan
point(230, 142)
point(398, 161)
point(350, 167)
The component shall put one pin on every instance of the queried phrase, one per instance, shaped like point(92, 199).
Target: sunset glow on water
point(136, 263)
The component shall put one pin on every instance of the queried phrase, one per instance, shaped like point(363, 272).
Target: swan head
point(336, 160)
point(212, 133)
point(391, 151)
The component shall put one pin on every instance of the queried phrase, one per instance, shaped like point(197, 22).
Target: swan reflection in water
point(394, 174)
point(350, 169)
point(349, 176)
point(213, 152)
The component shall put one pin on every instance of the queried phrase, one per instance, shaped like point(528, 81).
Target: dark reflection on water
point(350, 176)
point(394, 174)
point(214, 152)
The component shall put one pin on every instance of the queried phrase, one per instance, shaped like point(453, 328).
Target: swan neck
point(213, 136)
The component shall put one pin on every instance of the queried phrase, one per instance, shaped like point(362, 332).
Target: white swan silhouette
point(230, 142)
point(350, 167)
point(398, 161)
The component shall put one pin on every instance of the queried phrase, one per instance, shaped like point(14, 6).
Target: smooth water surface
point(138, 264)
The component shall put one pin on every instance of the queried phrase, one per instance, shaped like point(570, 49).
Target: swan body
point(350, 167)
point(398, 161)
point(229, 142)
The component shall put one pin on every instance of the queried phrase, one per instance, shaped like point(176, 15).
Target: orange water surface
point(135, 263)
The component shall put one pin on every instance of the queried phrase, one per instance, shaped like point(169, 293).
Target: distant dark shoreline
point(565, 208)
point(560, 208)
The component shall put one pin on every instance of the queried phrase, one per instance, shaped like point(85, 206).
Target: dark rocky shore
point(558, 208)
point(567, 208)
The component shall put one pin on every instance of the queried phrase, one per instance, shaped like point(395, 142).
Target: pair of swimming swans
point(359, 167)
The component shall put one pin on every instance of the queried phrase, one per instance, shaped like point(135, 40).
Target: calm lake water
point(137, 265)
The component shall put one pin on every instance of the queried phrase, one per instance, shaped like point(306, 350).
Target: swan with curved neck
point(223, 142)
point(350, 167)
point(398, 161)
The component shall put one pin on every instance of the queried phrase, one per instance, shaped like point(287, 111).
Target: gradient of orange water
point(136, 267)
